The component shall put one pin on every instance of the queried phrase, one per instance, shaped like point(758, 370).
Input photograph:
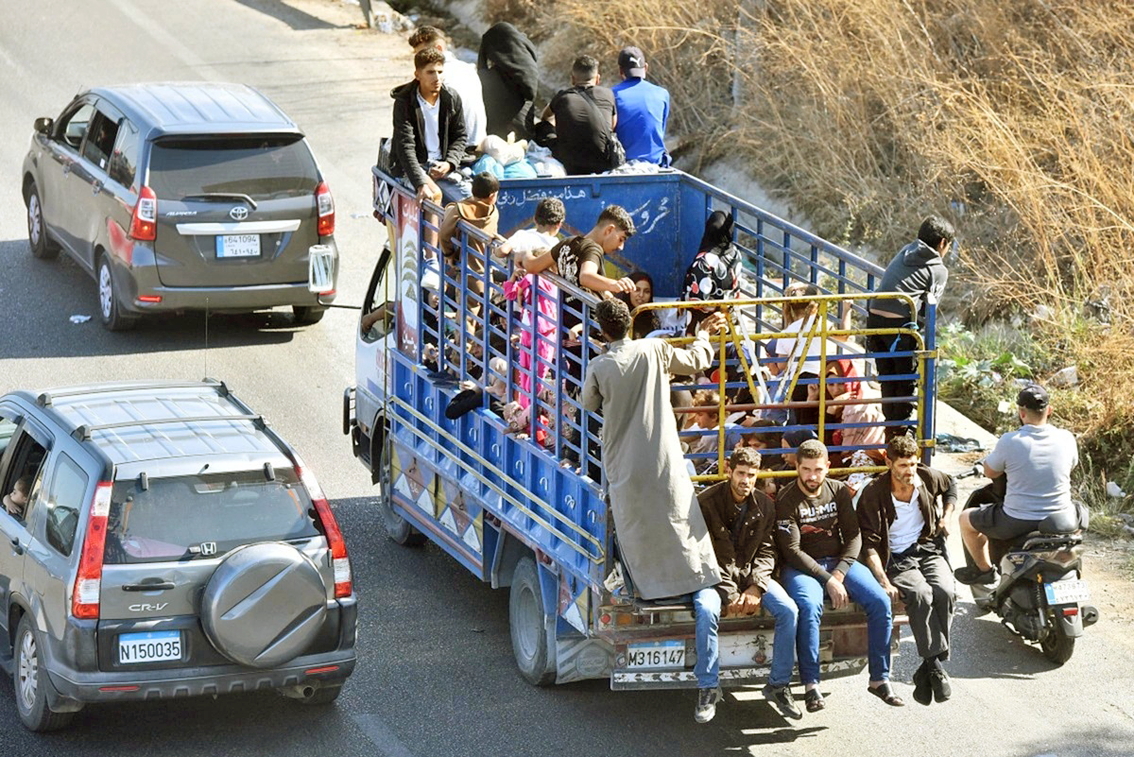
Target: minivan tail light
point(143, 224)
point(325, 204)
point(340, 562)
point(88, 580)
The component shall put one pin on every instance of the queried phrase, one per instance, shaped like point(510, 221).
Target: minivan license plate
point(154, 646)
point(656, 654)
point(238, 246)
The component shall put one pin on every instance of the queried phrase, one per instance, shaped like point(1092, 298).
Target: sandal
point(814, 700)
point(886, 694)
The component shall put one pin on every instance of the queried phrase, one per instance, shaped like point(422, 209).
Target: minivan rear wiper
point(222, 195)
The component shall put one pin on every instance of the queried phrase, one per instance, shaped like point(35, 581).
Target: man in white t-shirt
point(1037, 458)
point(462, 77)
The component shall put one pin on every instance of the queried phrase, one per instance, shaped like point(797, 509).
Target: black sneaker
point(922, 688)
point(707, 704)
point(970, 575)
point(939, 682)
point(781, 697)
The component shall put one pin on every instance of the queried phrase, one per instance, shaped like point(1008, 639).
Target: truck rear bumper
point(631, 680)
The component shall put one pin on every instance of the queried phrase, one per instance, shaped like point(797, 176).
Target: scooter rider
point(1038, 458)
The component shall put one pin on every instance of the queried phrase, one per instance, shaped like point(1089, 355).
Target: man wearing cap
point(643, 110)
point(1037, 458)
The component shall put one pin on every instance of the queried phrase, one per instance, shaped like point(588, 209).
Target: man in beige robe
point(661, 533)
point(662, 537)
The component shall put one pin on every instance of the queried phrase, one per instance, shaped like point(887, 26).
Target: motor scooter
point(1041, 594)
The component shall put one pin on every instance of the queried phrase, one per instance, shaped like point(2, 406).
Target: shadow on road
point(55, 290)
point(293, 17)
point(1002, 653)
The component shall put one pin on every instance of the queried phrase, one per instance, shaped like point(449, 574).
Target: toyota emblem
point(239, 213)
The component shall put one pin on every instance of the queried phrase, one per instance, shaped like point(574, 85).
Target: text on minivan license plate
point(656, 654)
point(154, 646)
point(238, 246)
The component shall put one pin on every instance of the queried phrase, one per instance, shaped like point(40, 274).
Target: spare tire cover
point(264, 604)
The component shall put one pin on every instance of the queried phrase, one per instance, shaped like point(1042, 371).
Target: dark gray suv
point(183, 197)
point(162, 541)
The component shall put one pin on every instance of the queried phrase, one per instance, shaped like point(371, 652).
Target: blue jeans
point(707, 609)
point(862, 588)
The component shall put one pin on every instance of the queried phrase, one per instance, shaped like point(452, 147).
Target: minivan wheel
point(28, 681)
point(41, 247)
point(109, 311)
point(305, 316)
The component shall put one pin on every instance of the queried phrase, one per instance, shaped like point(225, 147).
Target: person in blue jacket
point(643, 110)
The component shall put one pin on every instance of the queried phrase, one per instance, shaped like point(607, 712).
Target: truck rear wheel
point(533, 631)
point(398, 529)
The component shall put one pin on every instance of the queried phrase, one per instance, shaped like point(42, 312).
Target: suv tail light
point(325, 204)
point(143, 223)
point(340, 562)
point(88, 581)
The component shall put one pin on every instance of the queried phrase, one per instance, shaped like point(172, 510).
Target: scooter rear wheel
point(1057, 646)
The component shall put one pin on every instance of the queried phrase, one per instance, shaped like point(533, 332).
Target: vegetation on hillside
point(1014, 119)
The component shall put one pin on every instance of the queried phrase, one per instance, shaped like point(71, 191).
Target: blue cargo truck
point(521, 502)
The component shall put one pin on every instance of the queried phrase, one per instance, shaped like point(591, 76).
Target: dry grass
point(1012, 118)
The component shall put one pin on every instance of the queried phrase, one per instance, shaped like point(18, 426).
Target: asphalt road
point(435, 673)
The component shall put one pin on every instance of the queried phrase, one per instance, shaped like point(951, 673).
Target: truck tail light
point(340, 562)
point(143, 223)
point(88, 581)
point(325, 204)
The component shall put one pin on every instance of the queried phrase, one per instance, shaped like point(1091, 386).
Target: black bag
point(615, 153)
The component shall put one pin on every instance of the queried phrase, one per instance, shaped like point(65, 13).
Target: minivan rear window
point(191, 517)
point(262, 167)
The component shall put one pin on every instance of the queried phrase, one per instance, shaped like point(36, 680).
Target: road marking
point(381, 736)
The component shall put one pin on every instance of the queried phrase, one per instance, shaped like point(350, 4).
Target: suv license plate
point(155, 646)
point(1066, 592)
point(656, 654)
point(238, 246)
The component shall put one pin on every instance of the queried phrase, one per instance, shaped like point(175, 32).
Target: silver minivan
point(178, 197)
point(164, 542)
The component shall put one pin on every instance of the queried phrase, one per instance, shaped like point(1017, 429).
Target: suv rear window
point(193, 516)
point(262, 167)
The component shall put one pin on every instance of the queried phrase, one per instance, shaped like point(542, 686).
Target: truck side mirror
point(44, 125)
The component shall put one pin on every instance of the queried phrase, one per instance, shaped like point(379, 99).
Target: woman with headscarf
point(509, 79)
point(714, 273)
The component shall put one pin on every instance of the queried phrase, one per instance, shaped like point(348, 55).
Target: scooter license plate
point(1068, 591)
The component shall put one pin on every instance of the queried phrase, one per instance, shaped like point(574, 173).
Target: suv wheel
point(305, 316)
point(41, 247)
point(27, 680)
point(109, 311)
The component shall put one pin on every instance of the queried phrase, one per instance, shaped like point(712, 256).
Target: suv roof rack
point(45, 399)
point(83, 432)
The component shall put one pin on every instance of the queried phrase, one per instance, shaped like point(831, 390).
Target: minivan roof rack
point(83, 432)
point(46, 398)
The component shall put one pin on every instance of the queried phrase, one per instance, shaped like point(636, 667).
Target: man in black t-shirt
point(818, 536)
point(584, 115)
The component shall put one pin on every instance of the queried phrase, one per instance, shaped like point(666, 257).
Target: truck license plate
point(238, 246)
point(155, 646)
point(656, 654)
point(1066, 592)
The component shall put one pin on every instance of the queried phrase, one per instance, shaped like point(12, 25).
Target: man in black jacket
point(741, 520)
point(918, 271)
point(429, 132)
point(903, 516)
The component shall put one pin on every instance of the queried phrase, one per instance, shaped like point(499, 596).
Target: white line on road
point(382, 737)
